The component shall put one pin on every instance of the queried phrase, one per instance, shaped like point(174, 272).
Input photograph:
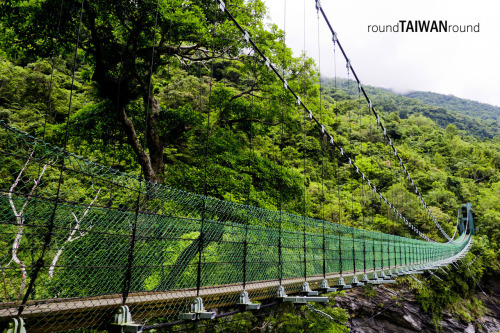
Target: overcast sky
point(462, 64)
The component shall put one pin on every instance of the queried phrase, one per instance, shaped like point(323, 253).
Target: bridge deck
point(79, 313)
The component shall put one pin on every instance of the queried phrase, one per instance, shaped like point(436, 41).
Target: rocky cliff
point(395, 309)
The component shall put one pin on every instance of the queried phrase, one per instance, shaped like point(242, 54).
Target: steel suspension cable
point(362, 194)
point(304, 145)
point(351, 148)
point(250, 159)
point(281, 77)
point(48, 235)
point(376, 114)
point(128, 273)
point(323, 152)
point(337, 171)
point(201, 242)
point(51, 82)
point(169, 55)
point(49, 94)
point(280, 205)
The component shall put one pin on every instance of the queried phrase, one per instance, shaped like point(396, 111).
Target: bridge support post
point(374, 279)
point(390, 274)
point(355, 282)
point(281, 294)
point(324, 287)
point(416, 270)
point(306, 290)
point(341, 285)
point(386, 278)
point(197, 311)
point(15, 325)
point(122, 322)
point(246, 303)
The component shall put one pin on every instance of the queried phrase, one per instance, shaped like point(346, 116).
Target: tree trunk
point(140, 152)
point(152, 163)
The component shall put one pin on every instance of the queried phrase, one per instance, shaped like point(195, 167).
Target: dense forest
point(482, 121)
point(459, 105)
point(210, 103)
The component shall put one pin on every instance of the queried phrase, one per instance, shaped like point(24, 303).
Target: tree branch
point(71, 237)
point(20, 219)
point(239, 120)
point(246, 92)
point(139, 150)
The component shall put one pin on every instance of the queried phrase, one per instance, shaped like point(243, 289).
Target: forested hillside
point(481, 121)
point(459, 105)
point(223, 114)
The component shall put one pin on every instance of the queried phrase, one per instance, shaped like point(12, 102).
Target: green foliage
point(468, 310)
point(459, 105)
point(282, 318)
point(233, 135)
point(368, 291)
point(471, 117)
point(31, 94)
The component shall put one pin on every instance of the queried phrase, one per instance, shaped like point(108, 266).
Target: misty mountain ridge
point(460, 105)
point(470, 117)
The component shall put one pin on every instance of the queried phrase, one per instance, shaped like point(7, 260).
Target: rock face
point(384, 310)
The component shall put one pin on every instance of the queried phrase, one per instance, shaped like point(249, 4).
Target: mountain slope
point(458, 105)
point(443, 113)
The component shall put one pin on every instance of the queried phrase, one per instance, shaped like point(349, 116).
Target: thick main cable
point(347, 156)
point(379, 122)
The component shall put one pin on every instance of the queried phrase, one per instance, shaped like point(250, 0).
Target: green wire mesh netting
point(79, 239)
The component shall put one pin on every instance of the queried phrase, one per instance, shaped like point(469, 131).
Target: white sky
point(462, 64)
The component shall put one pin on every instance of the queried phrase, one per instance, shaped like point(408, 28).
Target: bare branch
point(71, 236)
point(20, 219)
point(36, 182)
point(16, 182)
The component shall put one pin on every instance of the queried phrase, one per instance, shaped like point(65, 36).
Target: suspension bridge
point(88, 246)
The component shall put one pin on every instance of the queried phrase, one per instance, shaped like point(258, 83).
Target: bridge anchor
point(355, 282)
point(386, 278)
point(414, 270)
point(390, 274)
point(15, 325)
point(341, 284)
point(299, 299)
point(246, 303)
point(197, 311)
point(122, 321)
point(324, 287)
point(374, 279)
point(306, 290)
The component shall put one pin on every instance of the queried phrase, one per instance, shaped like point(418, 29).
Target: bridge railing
point(80, 238)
